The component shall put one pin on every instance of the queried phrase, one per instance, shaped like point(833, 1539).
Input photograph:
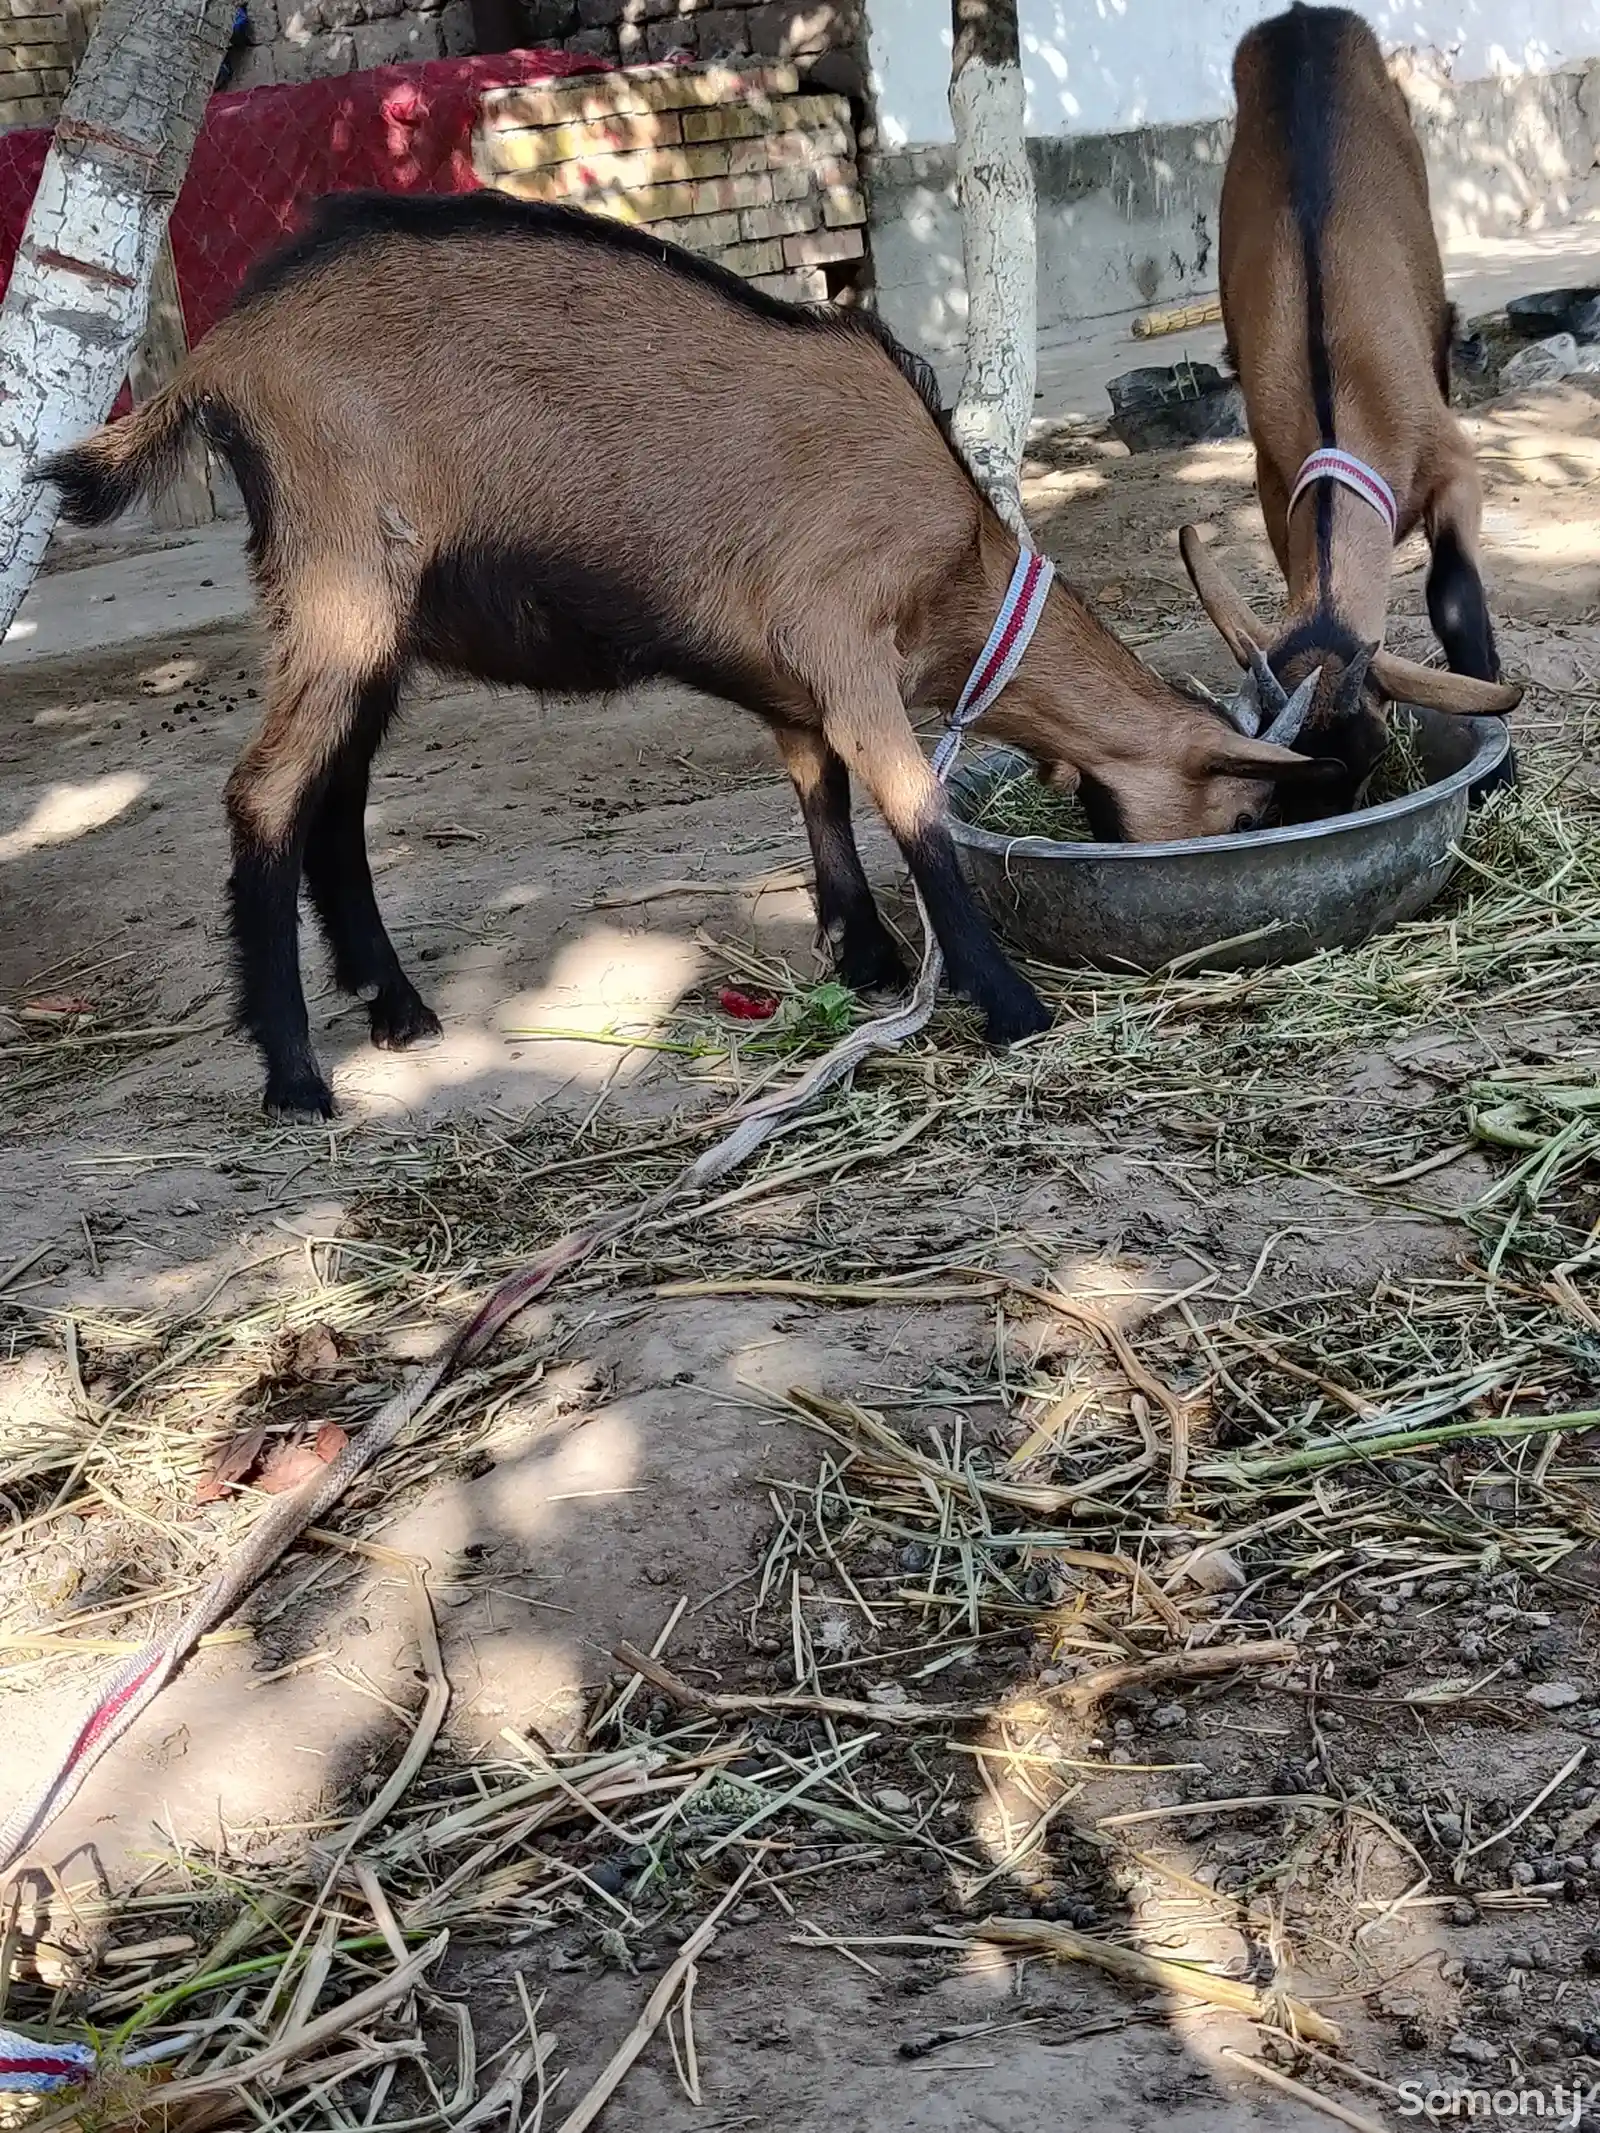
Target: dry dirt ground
point(630, 1462)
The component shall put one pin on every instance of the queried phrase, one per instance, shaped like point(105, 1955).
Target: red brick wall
point(741, 164)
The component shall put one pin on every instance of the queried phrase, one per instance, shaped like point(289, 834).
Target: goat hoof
point(399, 1019)
point(1019, 1013)
point(872, 966)
point(304, 1095)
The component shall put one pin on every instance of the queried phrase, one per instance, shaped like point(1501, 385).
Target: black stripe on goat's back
point(341, 222)
point(1303, 52)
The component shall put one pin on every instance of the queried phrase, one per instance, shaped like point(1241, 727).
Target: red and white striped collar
point(1332, 464)
point(1002, 653)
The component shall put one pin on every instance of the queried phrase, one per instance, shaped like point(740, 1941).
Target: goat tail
point(140, 456)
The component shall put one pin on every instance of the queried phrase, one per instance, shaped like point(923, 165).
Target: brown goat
point(1334, 303)
point(532, 446)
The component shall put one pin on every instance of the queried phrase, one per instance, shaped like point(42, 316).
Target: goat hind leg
point(864, 950)
point(1457, 605)
point(272, 798)
point(339, 880)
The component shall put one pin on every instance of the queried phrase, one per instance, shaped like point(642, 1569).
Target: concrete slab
point(196, 581)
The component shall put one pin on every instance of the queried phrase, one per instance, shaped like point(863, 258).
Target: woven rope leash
point(140, 1679)
point(29, 2068)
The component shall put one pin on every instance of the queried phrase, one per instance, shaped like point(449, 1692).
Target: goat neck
point(1340, 561)
point(1080, 699)
point(1152, 763)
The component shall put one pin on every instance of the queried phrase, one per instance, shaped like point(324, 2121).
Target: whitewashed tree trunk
point(994, 186)
point(80, 288)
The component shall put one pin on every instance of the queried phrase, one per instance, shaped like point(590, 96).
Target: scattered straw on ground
point(1272, 1495)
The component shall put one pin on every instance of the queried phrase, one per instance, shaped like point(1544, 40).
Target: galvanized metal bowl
point(1228, 903)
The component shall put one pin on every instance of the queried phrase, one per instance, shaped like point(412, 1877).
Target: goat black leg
point(339, 882)
point(869, 730)
point(1459, 609)
point(273, 796)
point(973, 961)
point(864, 950)
point(264, 895)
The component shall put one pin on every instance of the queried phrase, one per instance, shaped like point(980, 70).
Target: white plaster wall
point(1106, 66)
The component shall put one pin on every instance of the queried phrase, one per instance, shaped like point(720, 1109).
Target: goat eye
point(1246, 822)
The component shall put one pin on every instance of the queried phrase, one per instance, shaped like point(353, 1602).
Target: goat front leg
point(339, 880)
point(866, 726)
point(1458, 607)
point(272, 797)
point(864, 950)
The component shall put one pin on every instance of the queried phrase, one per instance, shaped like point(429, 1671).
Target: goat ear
point(1222, 600)
point(1236, 757)
point(1436, 690)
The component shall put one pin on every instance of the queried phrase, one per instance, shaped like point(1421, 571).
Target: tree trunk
point(187, 501)
point(80, 287)
point(994, 186)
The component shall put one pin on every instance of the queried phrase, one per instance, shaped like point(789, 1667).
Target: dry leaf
point(51, 1007)
point(231, 1465)
point(292, 1464)
point(316, 1354)
point(1212, 1570)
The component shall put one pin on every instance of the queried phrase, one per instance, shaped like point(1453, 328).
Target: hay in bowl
point(1233, 902)
point(1020, 804)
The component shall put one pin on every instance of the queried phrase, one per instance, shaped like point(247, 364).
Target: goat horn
point(1222, 601)
point(1436, 690)
point(1352, 681)
point(1239, 710)
point(1285, 728)
point(1242, 709)
point(1259, 694)
point(1270, 692)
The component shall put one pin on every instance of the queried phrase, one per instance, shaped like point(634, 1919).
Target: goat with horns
point(1334, 305)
